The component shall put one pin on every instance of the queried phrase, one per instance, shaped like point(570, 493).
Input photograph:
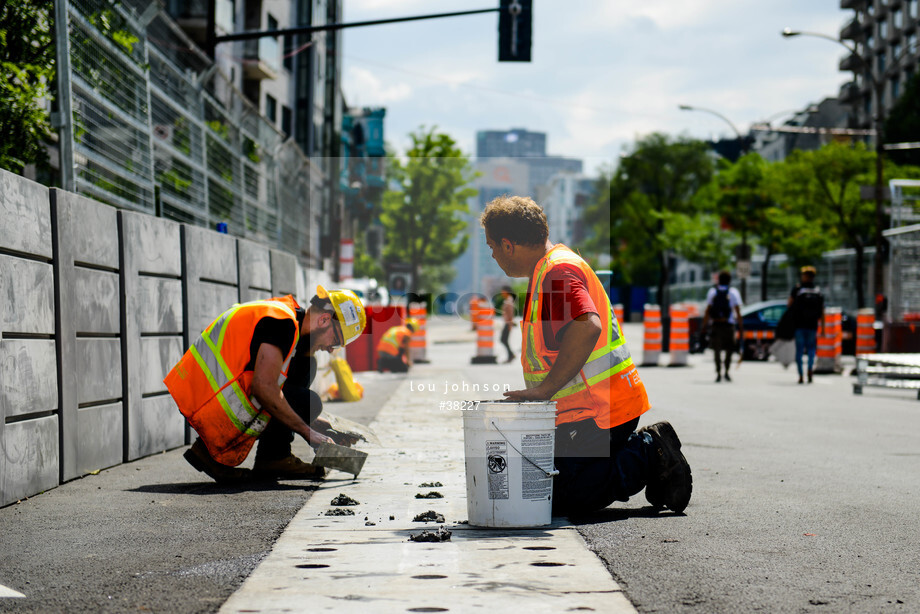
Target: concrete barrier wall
point(96, 306)
point(29, 416)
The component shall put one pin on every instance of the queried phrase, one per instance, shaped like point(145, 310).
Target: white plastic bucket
point(509, 463)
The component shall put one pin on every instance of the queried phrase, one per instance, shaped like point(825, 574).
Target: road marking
point(8, 592)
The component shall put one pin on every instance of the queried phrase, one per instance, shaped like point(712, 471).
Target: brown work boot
point(290, 467)
point(670, 481)
point(199, 458)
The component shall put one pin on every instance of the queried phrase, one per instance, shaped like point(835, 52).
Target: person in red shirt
point(575, 354)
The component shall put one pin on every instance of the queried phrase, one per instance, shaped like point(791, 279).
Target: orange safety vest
point(395, 338)
point(608, 388)
point(212, 387)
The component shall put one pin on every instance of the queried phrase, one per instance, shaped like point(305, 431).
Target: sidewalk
point(365, 563)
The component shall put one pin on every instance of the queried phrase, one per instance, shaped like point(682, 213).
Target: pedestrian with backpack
point(723, 310)
point(807, 306)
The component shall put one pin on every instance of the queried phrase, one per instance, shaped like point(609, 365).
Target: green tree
point(652, 207)
point(425, 219)
point(26, 74)
point(822, 186)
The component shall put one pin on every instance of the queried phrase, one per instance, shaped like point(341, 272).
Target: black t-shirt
point(279, 333)
point(807, 306)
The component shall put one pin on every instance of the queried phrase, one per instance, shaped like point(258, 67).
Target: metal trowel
point(345, 459)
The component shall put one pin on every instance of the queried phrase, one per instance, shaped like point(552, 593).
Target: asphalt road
point(806, 499)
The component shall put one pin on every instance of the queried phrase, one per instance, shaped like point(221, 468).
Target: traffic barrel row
point(418, 344)
point(865, 331)
point(830, 342)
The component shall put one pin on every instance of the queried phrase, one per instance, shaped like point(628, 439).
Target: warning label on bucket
point(538, 448)
point(497, 459)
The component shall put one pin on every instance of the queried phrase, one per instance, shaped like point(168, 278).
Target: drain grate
point(547, 564)
point(429, 576)
point(311, 566)
point(321, 549)
point(539, 548)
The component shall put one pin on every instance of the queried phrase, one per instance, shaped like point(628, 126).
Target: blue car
point(760, 321)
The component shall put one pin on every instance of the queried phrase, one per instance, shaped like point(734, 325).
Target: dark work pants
point(506, 332)
point(275, 441)
point(396, 364)
point(598, 466)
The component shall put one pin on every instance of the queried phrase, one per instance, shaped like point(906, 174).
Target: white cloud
point(364, 88)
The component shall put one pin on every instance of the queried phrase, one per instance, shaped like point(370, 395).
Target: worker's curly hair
point(516, 218)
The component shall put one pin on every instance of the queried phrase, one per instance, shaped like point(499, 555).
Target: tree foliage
point(424, 219)
point(653, 212)
point(26, 74)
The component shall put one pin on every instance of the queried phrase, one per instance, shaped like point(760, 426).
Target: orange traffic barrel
point(618, 312)
point(418, 345)
point(651, 346)
point(485, 336)
point(865, 331)
point(679, 336)
point(830, 342)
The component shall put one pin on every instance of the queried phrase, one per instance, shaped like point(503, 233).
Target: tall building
point(884, 34)
point(801, 130)
point(514, 143)
point(564, 199)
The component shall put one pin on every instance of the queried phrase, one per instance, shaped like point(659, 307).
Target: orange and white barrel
point(618, 312)
point(651, 346)
point(485, 335)
point(418, 345)
point(830, 342)
point(679, 336)
point(865, 331)
point(474, 311)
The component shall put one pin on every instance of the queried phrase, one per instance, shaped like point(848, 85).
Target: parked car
point(761, 320)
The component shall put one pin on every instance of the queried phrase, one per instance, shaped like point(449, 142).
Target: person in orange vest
point(393, 349)
point(247, 377)
point(574, 353)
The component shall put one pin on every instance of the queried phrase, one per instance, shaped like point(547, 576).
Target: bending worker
point(248, 375)
point(574, 353)
point(393, 350)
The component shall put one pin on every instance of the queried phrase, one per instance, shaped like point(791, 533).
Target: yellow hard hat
point(348, 311)
point(413, 323)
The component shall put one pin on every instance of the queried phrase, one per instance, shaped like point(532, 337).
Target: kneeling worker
point(574, 353)
point(248, 375)
point(393, 350)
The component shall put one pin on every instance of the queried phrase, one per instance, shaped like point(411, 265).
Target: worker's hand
point(529, 394)
point(316, 438)
point(343, 439)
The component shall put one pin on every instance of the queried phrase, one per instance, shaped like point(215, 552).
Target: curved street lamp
point(878, 86)
point(687, 107)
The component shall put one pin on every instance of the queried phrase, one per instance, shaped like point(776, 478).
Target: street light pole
point(742, 145)
point(878, 86)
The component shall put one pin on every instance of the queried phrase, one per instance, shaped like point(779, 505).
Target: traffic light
point(514, 30)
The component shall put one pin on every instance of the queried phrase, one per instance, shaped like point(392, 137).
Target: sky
point(603, 72)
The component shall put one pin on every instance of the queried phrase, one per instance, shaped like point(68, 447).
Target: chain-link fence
point(156, 128)
point(904, 238)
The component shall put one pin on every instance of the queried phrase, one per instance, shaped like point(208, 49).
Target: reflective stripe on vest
point(609, 358)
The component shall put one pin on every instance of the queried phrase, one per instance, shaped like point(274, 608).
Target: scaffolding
point(149, 124)
point(904, 239)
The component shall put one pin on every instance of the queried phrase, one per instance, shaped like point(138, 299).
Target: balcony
point(261, 59)
point(850, 62)
point(849, 92)
point(852, 30)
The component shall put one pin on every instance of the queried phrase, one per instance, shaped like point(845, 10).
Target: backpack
point(720, 309)
point(808, 306)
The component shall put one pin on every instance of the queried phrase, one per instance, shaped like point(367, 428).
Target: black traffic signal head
point(515, 19)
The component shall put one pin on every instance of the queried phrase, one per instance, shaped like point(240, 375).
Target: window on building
point(272, 23)
point(286, 120)
point(897, 19)
point(912, 43)
point(883, 29)
point(881, 62)
point(870, 41)
point(895, 52)
point(271, 108)
point(895, 88)
point(912, 8)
